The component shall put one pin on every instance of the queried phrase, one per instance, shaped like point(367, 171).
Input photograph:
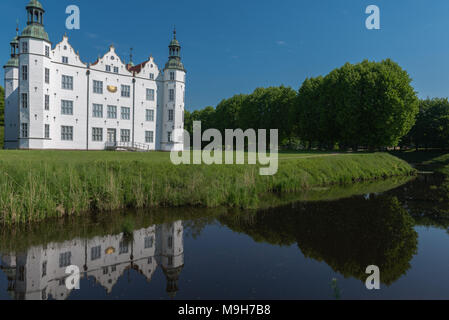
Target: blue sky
point(234, 46)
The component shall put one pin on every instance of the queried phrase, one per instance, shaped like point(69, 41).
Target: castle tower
point(12, 96)
point(173, 99)
point(34, 75)
point(171, 254)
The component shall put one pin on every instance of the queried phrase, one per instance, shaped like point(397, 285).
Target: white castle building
point(53, 100)
point(39, 273)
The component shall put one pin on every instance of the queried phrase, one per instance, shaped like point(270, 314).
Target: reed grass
point(37, 185)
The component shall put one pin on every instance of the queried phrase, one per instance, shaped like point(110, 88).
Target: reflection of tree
point(348, 235)
point(426, 200)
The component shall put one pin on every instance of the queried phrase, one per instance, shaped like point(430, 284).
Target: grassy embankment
point(35, 185)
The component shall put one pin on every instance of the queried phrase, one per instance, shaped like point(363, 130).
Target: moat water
point(298, 250)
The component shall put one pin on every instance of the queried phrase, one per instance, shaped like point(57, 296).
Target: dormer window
point(151, 76)
point(65, 60)
point(115, 69)
point(108, 68)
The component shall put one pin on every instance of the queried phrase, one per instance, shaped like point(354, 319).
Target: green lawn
point(35, 185)
point(83, 156)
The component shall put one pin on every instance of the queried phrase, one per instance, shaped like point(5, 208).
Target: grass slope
point(36, 185)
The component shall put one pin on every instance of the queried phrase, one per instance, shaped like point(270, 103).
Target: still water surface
point(294, 251)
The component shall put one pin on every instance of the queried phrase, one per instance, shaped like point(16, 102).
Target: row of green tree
point(369, 104)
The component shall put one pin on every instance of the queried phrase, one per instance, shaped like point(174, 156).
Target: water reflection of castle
point(40, 272)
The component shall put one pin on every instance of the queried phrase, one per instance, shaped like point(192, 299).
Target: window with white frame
point(65, 259)
point(47, 51)
point(47, 131)
point(126, 90)
point(24, 100)
point(126, 113)
point(170, 115)
point(112, 112)
point(97, 111)
point(108, 68)
point(123, 247)
point(67, 133)
point(171, 95)
point(151, 76)
point(67, 107)
point(125, 135)
point(149, 241)
point(169, 136)
point(47, 75)
point(67, 82)
point(65, 60)
point(44, 269)
point(24, 47)
point(25, 73)
point(98, 86)
point(149, 115)
point(47, 102)
point(149, 136)
point(24, 130)
point(97, 134)
point(172, 75)
point(95, 253)
point(115, 69)
point(150, 94)
point(170, 242)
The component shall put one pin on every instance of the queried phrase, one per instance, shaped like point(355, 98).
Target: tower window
point(24, 100)
point(25, 73)
point(24, 130)
point(47, 131)
point(47, 75)
point(24, 47)
point(171, 95)
point(47, 102)
point(170, 115)
point(169, 136)
point(172, 76)
point(44, 269)
point(47, 51)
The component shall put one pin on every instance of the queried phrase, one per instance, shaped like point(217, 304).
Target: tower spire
point(174, 32)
